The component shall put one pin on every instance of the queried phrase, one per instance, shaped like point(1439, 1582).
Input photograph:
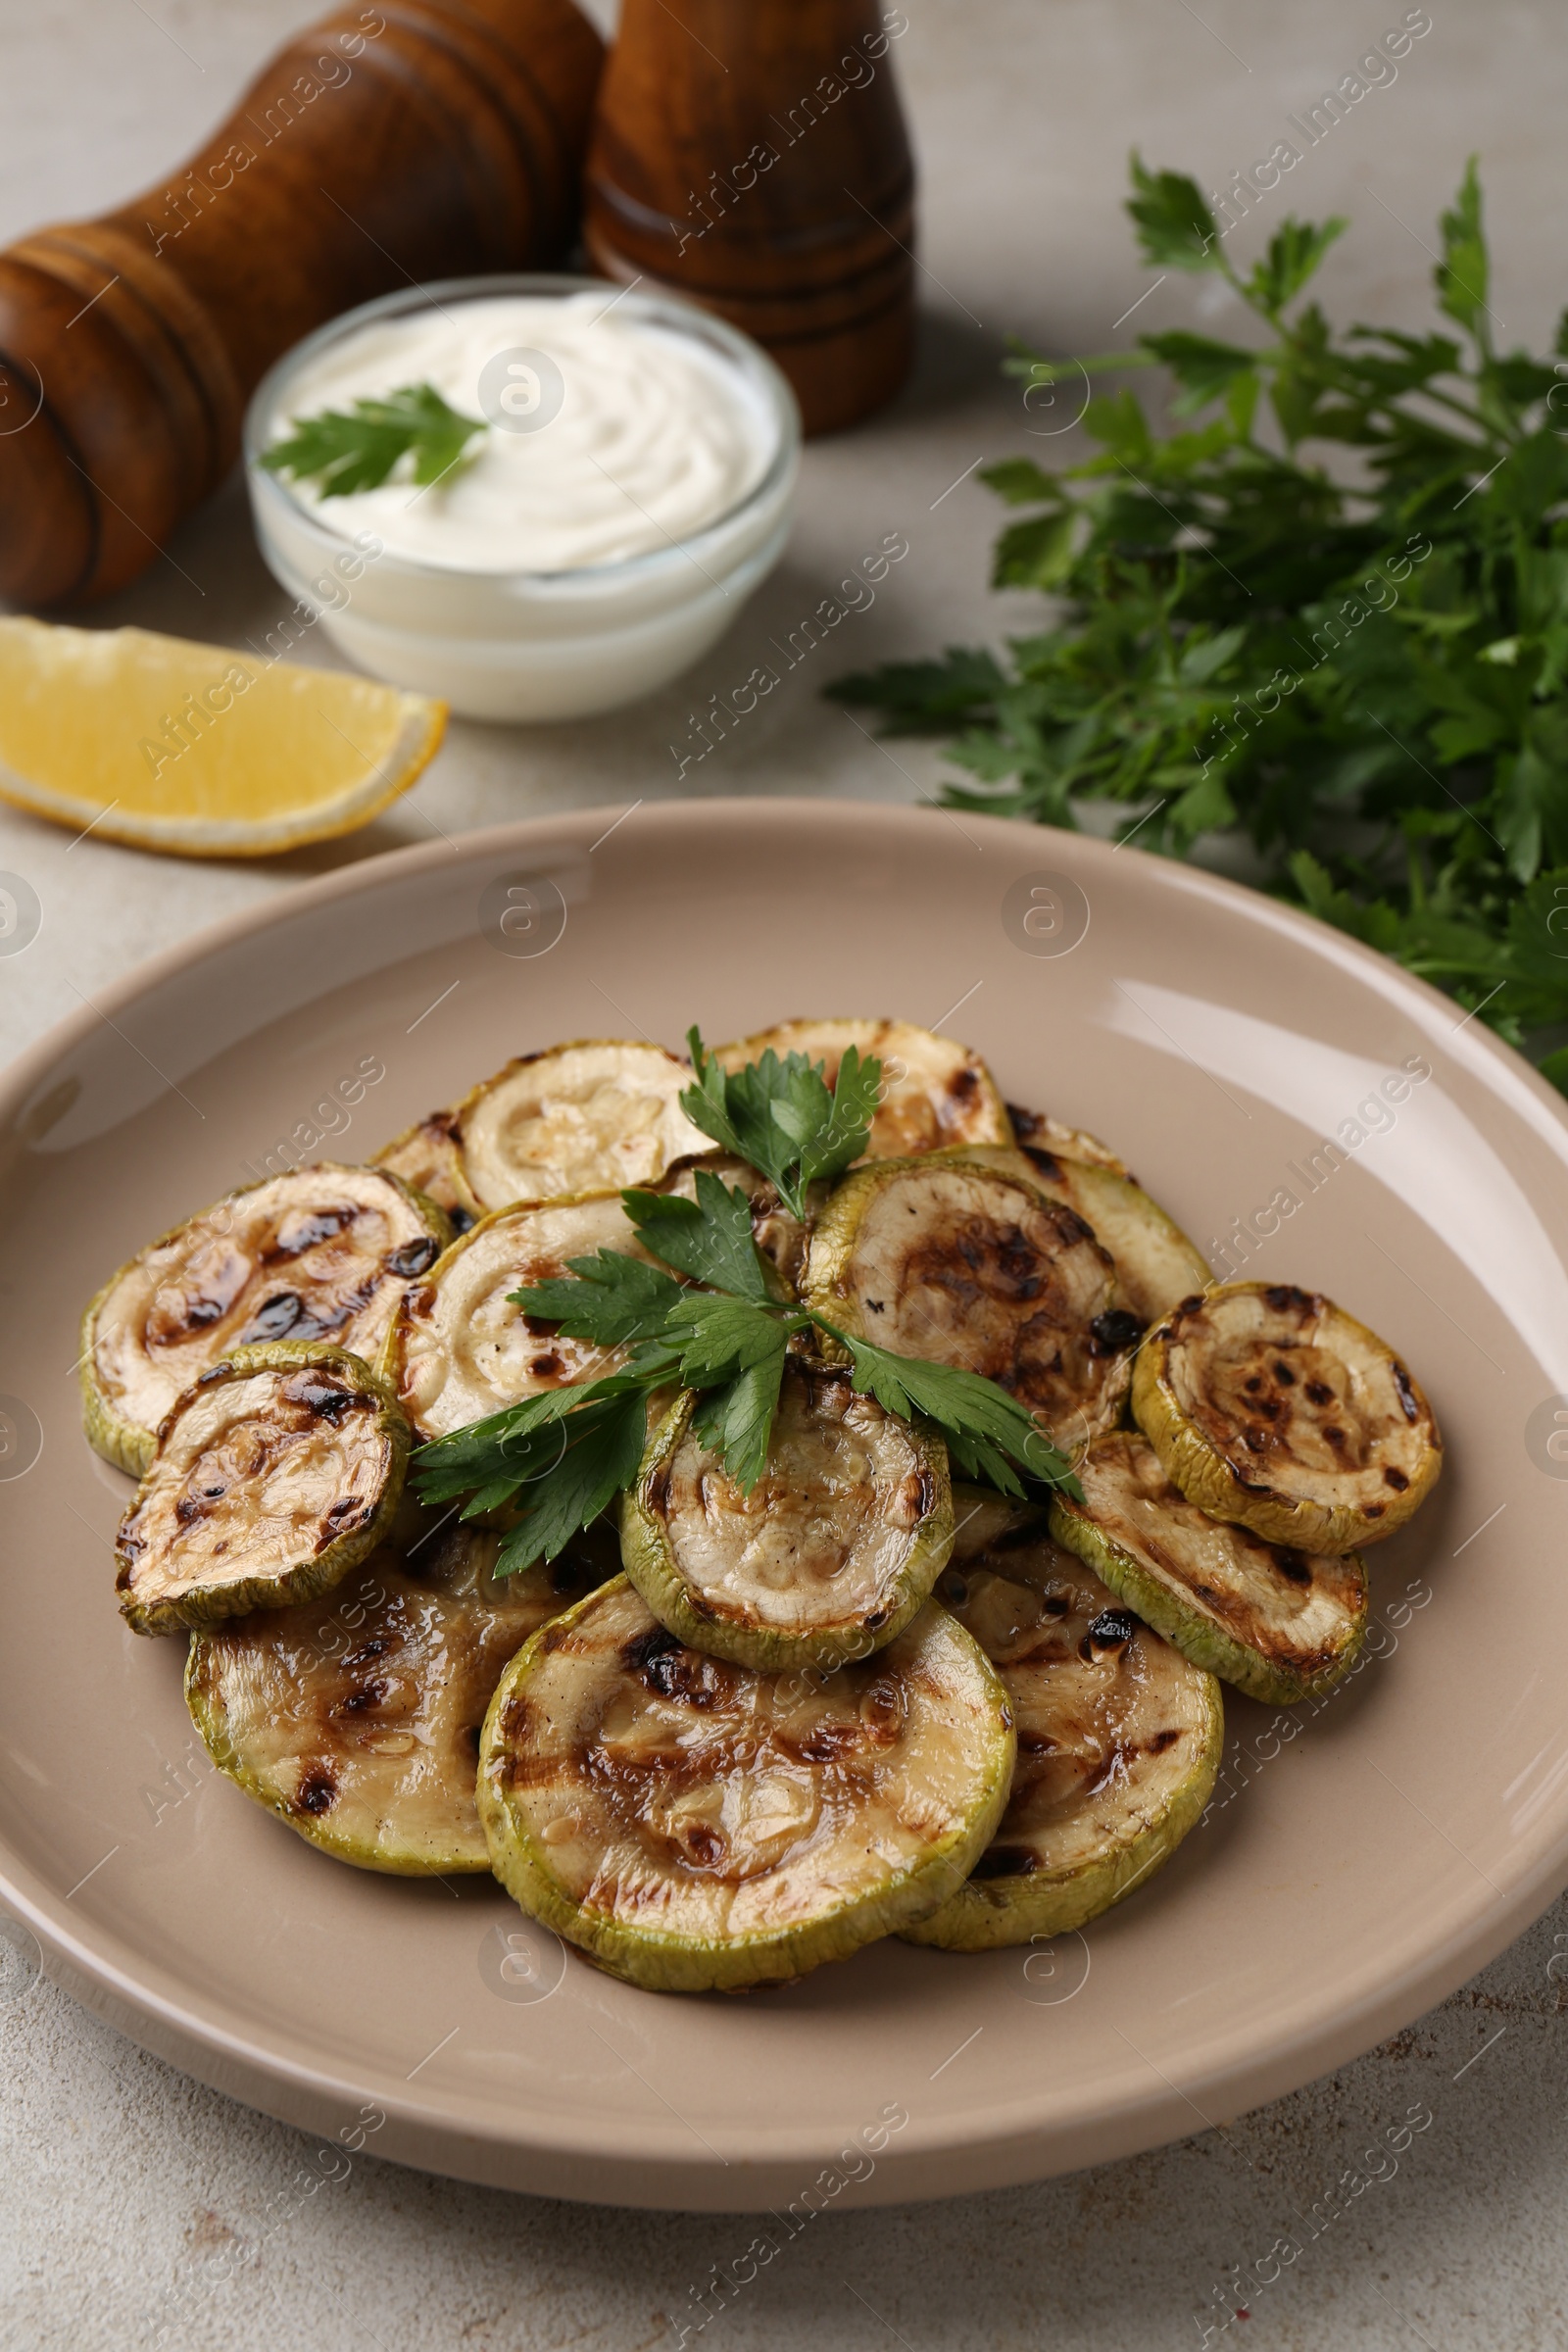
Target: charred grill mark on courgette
point(958, 1260)
point(1269, 1405)
point(1279, 1622)
point(1118, 1735)
point(273, 1477)
point(1047, 1141)
point(356, 1719)
point(319, 1253)
point(1155, 1263)
point(461, 1349)
point(694, 1825)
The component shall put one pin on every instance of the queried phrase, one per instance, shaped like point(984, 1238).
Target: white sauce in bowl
point(642, 438)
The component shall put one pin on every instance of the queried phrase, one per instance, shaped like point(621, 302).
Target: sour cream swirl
point(628, 437)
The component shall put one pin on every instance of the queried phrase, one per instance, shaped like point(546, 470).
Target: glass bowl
point(525, 645)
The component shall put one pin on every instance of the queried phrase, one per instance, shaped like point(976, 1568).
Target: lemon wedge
point(194, 748)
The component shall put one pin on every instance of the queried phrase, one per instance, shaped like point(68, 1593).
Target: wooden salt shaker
point(752, 155)
point(390, 145)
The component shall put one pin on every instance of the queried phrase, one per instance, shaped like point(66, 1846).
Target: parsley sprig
point(783, 1117)
point(1318, 605)
point(356, 449)
point(562, 1454)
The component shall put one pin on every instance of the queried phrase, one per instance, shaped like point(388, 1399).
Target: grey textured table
point(135, 2201)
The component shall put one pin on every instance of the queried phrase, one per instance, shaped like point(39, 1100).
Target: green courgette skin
point(123, 1444)
point(990, 1914)
point(1089, 1689)
point(648, 1557)
point(354, 1719)
point(663, 1961)
point(1194, 1634)
point(1074, 1396)
point(130, 1445)
point(314, 1571)
point(1210, 1478)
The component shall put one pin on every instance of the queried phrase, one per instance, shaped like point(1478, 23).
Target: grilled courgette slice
point(696, 1827)
point(1270, 1406)
point(936, 1094)
point(461, 1349)
point(1034, 1131)
point(356, 1719)
point(430, 1156)
point(1119, 1736)
point(960, 1261)
point(829, 1556)
point(1282, 1625)
point(1157, 1265)
point(325, 1252)
point(273, 1477)
point(599, 1114)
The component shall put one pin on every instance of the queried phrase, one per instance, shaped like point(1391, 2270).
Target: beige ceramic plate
point(1381, 1852)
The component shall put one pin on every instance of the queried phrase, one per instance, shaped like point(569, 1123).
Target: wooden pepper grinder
point(752, 155)
point(390, 145)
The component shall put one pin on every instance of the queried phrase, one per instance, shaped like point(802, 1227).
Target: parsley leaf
point(345, 450)
point(490, 1460)
point(827, 1149)
point(1461, 275)
point(603, 1445)
point(612, 1299)
point(783, 1117)
point(707, 1101)
point(1317, 603)
point(737, 1419)
point(709, 1238)
point(986, 1430)
point(1175, 226)
point(719, 1337)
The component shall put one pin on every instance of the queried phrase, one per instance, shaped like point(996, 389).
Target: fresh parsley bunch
point(356, 449)
point(711, 1315)
point(1362, 668)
